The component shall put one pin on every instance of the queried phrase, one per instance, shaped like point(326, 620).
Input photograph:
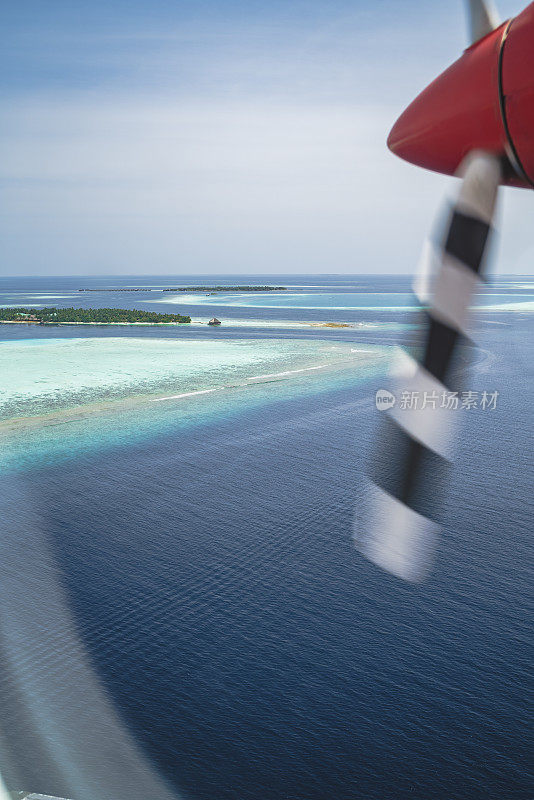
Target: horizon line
point(247, 275)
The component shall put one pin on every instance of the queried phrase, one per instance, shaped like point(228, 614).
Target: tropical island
point(209, 289)
point(213, 289)
point(98, 316)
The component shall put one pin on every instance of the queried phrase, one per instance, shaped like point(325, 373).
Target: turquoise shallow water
point(339, 301)
point(64, 397)
point(46, 374)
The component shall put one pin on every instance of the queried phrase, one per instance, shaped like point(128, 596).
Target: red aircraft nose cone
point(457, 113)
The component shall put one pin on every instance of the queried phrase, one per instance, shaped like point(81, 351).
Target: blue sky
point(204, 137)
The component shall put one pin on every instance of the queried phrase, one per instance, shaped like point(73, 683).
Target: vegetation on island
point(213, 289)
point(95, 315)
point(208, 289)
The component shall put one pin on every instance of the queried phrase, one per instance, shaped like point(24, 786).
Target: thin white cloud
point(203, 187)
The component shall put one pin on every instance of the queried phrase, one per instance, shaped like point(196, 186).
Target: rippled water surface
point(209, 563)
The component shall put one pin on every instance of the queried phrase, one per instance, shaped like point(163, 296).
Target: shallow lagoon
point(65, 396)
point(41, 375)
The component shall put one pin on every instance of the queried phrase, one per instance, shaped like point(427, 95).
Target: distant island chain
point(208, 289)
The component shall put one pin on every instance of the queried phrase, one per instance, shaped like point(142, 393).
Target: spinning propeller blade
point(397, 529)
point(482, 19)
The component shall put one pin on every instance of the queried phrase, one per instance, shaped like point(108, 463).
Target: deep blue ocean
point(249, 648)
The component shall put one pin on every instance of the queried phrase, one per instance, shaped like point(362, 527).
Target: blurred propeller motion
point(482, 19)
point(476, 121)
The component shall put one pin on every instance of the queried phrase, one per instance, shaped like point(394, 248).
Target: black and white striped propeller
point(397, 529)
point(397, 526)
